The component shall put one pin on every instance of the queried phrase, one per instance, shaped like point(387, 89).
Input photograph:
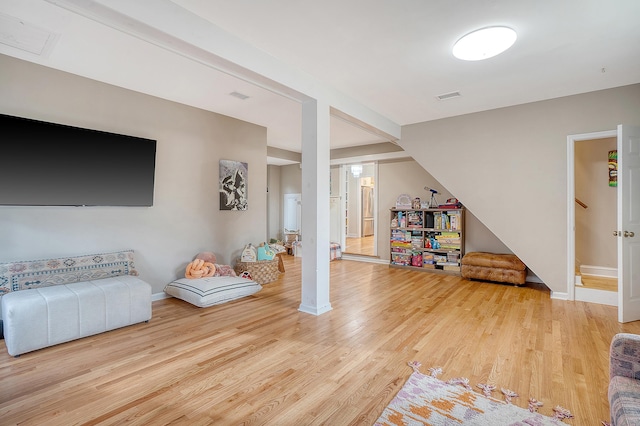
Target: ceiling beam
point(167, 25)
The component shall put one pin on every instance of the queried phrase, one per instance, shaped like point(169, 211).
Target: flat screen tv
point(47, 164)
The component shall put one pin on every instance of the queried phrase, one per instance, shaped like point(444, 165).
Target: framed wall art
point(234, 177)
point(613, 168)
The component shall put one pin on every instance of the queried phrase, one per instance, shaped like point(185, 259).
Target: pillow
point(65, 270)
point(203, 292)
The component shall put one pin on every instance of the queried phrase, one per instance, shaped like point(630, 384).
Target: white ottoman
point(37, 318)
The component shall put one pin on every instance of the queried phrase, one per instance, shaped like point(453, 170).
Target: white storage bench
point(53, 301)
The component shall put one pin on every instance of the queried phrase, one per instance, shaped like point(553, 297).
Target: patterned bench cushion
point(624, 401)
point(65, 270)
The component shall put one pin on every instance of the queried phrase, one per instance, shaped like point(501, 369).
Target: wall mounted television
point(47, 164)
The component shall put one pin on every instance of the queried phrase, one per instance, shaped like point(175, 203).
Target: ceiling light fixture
point(484, 43)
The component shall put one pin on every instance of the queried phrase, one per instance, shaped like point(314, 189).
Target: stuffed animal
point(209, 259)
point(200, 269)
point(207, 256)
point(224, 271)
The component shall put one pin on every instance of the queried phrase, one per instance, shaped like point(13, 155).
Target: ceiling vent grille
point(239, 95)
point(450, 95)
point(22, 35)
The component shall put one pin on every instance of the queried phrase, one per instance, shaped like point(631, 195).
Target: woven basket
point(262, 271)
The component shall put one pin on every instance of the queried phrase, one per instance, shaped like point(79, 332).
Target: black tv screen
point(47, 164)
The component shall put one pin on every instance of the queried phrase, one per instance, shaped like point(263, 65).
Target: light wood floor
point(260, 361)
point(363, 246)
point(600, 283)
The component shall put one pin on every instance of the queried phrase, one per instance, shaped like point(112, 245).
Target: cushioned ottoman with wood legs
point(505, 268)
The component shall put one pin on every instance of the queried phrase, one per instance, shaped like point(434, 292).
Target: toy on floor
point(207, 256)
point(200, 269)
point(209, 259)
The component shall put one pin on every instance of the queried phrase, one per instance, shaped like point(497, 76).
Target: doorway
point(592, 252)
point(596, 255)
point(292, 213)
point(359, 193)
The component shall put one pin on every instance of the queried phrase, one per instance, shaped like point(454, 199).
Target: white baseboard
point(159, 296)
point(368, 259)
point(559, 296)
point(601, 297)
point(599, 271)
point(315, 310)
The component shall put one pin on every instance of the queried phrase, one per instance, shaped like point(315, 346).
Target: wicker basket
point(262, 271)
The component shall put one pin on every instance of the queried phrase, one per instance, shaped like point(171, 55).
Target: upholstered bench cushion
point(492, 260)
point(624, 401)
point(25, 275)
point(506, 268)
point(41, 317)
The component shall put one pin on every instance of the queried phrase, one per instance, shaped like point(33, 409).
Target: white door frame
point(344, 169)
point(571, 209)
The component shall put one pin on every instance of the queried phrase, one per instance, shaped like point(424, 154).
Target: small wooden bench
point(505, 268)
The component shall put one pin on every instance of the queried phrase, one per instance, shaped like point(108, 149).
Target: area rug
point(426, 400)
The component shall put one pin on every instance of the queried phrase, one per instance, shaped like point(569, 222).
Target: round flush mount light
point(484, 43)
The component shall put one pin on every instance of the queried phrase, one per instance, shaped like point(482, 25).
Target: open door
point(628, 231)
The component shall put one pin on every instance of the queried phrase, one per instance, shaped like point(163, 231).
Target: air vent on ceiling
point(450, 95)
point(22, 35)
point(239, 95)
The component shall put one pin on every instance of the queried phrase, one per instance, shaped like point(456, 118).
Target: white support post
point(315, 207)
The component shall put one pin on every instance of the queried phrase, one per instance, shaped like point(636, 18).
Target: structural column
point(315, 207)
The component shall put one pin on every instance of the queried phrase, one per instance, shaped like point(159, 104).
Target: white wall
point(334, 188)
point(394, 178)
point(408, 177)
point(509, 167)
point(291, 179)
point(274, 202)
point(290, 183)
point(185, 218)
point(353, 195)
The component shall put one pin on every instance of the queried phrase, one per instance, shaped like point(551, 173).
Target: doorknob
point(629, 234)
point(617, 233)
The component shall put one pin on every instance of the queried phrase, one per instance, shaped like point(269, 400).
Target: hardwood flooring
point(260, 361)
point(362, 246)
point(600, 283)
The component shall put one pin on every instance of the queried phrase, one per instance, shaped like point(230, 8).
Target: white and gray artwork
point(233, 185)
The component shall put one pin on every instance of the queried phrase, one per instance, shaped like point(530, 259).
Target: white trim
point(376, 197)
point(314, 310)
point(593, 295)
point(160, 296)
point(599, 271)
point(343, 205)
point(368, 158)
point(559, 296)
point(368, 259)
point(571, 195)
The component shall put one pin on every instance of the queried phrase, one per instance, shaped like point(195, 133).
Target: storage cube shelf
point(427, 239)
